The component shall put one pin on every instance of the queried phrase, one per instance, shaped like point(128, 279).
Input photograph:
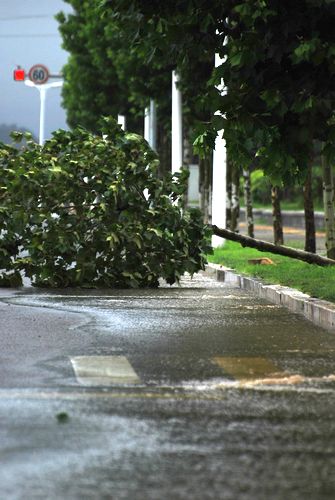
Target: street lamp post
point(43, 88)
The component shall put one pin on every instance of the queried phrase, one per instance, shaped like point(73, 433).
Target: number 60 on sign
point(38, 74)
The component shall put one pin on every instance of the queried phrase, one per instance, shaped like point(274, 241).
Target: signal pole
point(43, 88)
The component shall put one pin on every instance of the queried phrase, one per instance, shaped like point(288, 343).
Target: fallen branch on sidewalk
point(264, 246)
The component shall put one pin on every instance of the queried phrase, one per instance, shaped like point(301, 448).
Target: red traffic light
point(19, 75)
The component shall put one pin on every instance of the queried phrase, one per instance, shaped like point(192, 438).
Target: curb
point(320, 312)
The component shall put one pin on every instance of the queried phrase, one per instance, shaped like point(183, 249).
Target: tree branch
point(264, 246)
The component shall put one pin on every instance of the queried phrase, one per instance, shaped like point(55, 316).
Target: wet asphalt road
point(201, 392)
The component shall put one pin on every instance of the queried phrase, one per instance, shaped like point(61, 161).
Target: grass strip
point(317, 281)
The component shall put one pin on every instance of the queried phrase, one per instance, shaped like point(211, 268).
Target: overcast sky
point(29, 35)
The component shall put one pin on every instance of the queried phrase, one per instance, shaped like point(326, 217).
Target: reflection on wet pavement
point(248, 369)
point(202, 392)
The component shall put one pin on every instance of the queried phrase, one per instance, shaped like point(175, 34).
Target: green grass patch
point(315, 280)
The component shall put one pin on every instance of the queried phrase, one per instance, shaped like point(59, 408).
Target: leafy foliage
point(122, 54)
point(92, 87)
point(163, 37)
point(278, 68)
point(279, 71)
point(89, 211)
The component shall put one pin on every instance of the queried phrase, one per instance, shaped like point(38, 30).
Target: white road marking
point(250, 369)
point(96, 371)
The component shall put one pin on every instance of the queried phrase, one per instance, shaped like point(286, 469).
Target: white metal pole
point(43, 92)
point(177, 129)
point(219, 190)
point(219, 187)
point(147, 137)
point(121, 119)
point(147, 124)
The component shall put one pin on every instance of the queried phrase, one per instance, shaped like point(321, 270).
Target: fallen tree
point(264, 246)
point(90, 211)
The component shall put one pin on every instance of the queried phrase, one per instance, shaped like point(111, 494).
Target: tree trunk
point(229, 194)
point(249, 218)
point(201, 185)
point(187, 148)
point(310, 242)
point(164, 151)
point(235, 196)
point(205, 182)
point(328, 197)
point(264, 246)
point(276, 215)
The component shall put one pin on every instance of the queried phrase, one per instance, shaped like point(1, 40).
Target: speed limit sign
point(38, 73)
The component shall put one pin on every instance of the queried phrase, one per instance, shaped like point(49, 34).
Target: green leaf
point(157, 232)
point(138, 242)
point(236, 59)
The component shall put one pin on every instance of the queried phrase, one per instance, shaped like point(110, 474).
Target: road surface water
point(194, 392)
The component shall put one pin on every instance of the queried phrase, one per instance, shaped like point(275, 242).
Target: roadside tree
point(279, 71)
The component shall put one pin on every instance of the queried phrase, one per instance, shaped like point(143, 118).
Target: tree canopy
point(122, 54)
point(278, 70)
point(92, 87)
point(279, 73)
